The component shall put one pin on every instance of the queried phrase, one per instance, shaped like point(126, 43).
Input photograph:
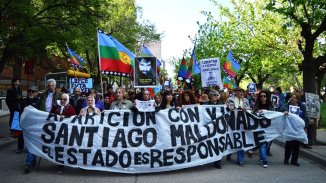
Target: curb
point(308, 154)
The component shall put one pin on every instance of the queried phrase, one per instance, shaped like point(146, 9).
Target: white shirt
point(48, 102)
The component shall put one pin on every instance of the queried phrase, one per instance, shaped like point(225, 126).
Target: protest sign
point(210, 72)
point(144, 142)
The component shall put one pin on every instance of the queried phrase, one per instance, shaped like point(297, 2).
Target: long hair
point(164, 101)
point(268, 99)
point(192, 97)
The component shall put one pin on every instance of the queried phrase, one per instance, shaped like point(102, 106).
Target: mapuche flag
point(115, 59)
point(75, 59)
point(182, 73)
point(231, 67)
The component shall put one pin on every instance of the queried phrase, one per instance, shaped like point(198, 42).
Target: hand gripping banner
point(144, 142)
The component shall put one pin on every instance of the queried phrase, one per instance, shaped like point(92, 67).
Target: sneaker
point(265, 165)
point(240, 163)
point(27, 169)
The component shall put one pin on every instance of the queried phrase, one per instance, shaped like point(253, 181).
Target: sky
point(177, 19)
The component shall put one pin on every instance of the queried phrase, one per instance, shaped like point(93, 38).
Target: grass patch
point(323, 115)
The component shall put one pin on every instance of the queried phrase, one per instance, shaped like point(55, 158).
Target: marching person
point(91, 107)
point(238, 102)
point(292, 148)
point(64, 110)
point(49, 97)
point(120, 103)
point(263, 102)
point(13, 99)
point(33, 100)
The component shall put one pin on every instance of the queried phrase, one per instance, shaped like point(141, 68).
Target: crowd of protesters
point(65, 105)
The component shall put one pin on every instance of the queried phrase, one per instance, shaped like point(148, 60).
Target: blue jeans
point(30, 159)
point(262, 151)
point(240, 156)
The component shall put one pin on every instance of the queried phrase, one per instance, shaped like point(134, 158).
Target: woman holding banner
point(167, 100)
point(64, 110)
point(292, 148)
point(120, 103)
point(187, 98)
point(263, 102)
point(91, 107)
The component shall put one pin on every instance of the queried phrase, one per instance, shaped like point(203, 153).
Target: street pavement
point(12, 169)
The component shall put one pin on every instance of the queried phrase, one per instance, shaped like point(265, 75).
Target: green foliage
point(265, 48)
point(310, 17)
point(40, 28)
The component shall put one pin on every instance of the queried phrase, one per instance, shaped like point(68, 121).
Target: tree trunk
point(17, 68)
point(5, 58)
point(309, 76)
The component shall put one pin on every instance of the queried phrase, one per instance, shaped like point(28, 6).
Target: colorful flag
point(193, 68)
point(75, 59)
point(231, 67)
point(115, 59)
point(146, 52)
point(228, 83)
point(154, 91)
point(182, 70)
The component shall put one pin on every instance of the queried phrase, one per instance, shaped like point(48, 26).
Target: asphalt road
point(12, 170)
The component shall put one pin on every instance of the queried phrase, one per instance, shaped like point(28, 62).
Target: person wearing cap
point(14, 98)
point(33, 100)
point(238, 102)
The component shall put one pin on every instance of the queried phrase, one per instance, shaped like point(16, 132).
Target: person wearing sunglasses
point(264, 103)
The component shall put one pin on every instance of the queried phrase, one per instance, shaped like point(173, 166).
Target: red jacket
point(68, 110)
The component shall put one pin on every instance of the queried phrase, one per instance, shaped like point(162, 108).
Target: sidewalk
point(318, 152)
point(5, 138)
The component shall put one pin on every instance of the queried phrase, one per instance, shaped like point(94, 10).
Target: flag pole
point(99, 61)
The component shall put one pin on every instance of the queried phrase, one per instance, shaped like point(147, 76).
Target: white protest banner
point(171, 139)
point(145, 106)
point(210, 72)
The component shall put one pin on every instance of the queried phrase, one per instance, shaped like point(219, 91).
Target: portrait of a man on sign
point(145, 71)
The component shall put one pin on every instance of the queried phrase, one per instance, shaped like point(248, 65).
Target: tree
point(39, 29)
point(310, 16)
point(262, 45)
